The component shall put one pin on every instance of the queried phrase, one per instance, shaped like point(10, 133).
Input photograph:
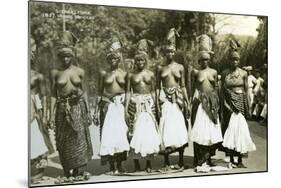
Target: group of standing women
point(142, 113)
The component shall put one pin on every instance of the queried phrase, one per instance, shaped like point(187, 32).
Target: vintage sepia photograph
point(121, 93)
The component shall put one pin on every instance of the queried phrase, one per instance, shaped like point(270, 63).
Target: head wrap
point(204, 55)
point(234, 55)
point(171, 39)
point(67, 39)
point(234, 44)
point(66, 51)
point(144, 45)
point(205, 43)
point(141, 55)
point(114, 49)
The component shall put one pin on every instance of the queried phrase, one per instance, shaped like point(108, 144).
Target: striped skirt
point(72, 133)
point(145, 139)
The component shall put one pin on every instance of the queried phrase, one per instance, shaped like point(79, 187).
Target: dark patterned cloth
point(175, 95)
point(238, 103)
point(132, 110)
point(210, 103)
point(72, 133)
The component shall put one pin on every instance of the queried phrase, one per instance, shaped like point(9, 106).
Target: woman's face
point(234, 62)
point(204, 63)
point(140, 63)
point(66, 60)
point(170, 54)
point(114, 61)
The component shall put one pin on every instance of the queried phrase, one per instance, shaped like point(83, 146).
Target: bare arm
point(223, 86)
point(42, 89)
point(189, 81)
point(158, 88)
point(85, 96)
point(127, 91)
point(245, 78)
point(53, 95)
point(153, 87)
point(182, 84)
point(216, 86)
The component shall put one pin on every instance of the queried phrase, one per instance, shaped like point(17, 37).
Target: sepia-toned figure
point(237, 141)
point(206, 131)
point(172, 96)
point(38, 147)
point(114, 141)
point(141, 111)
point(71, 115)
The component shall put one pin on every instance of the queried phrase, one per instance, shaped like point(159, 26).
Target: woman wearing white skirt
point(172, 96)
point(145, 140)
point(114, 141)
point(38, 145)
point(237, 140)
point(206, 132)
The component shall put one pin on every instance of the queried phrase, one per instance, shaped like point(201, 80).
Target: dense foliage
point(95, 25)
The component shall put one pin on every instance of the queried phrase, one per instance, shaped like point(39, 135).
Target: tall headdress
point(66, 43)
point(114, 48)
point(205, 43)
point(171, 39)
point(144, 45)
point(67, 39)
point(234, 46)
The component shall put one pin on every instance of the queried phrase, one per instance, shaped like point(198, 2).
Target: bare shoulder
point(130, 75)
point(194, 71)
point(54, 73)
point(78, 69)
point(214, 71)
point(150, 73)
point(159, 67)
point(40, 76)
point(180, 66)
point(124, 73)
point(102, 72)
point(243, 72)
point(224, 73)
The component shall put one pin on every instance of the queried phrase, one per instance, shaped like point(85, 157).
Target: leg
point(231, 162)
point(232, 159)
point(240, 163)
point(166, 160)
point(209, 162)
point(181, 163)
point(137, 165)
point(195, 151)
point(111, 164)
point(66, 173)
point(119, 166)
point(148, 166)
point(79, 171)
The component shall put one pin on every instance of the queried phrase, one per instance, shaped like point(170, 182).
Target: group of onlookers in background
point(257, 92)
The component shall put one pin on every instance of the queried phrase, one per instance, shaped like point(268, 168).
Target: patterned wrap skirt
point(72, 133)
point(173, 126)
point(237, 140)
point(206, 129)
point(145, 139)
point(114, 139)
